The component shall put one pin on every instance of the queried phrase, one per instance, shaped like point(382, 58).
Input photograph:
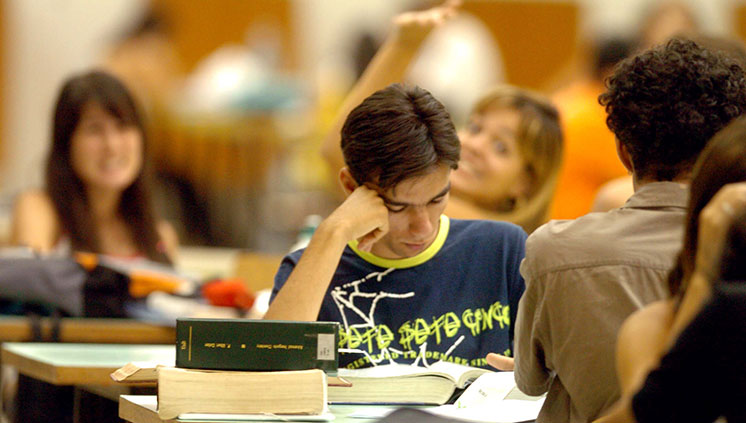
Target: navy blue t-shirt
point(455, 301)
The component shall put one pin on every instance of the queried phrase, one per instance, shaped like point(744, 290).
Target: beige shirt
point(583, 278)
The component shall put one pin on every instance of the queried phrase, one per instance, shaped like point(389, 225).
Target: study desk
point(83, 365)
point(80, 364)
point(142, 409)
point(83, 330)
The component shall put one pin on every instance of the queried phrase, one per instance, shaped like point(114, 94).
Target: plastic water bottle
point(310, 223)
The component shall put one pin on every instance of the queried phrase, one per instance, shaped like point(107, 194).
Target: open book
point(493, 397)
point(404, 383)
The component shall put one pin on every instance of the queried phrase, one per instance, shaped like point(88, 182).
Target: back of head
point(722, 162)
point(666, 103)
point(731, 47)
point(397, 133)
point(540, 142)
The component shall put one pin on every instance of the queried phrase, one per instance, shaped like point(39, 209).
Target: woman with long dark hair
point(97, 196)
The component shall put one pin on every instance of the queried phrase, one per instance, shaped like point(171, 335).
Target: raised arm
point(361, 216)
point(388, 66)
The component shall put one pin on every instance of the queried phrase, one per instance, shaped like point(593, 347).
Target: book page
point(457, 373)
point(493, 397)
point(383, 371)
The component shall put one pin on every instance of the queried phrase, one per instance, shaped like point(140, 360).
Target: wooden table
point(85, 366)
point(83, 330)
point(142, 409)
point(80, 364)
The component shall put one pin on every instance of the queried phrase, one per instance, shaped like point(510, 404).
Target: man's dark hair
point(397, 133)
point(666, 103)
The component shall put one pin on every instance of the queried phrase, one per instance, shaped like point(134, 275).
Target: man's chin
point(412, 249)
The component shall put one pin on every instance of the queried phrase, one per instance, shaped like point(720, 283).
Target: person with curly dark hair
point(666, 104)
point(660, 347)
point(585, 276)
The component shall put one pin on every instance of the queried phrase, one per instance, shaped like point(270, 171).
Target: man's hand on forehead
point(362, 216)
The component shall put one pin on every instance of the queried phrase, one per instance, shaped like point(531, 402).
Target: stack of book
point(247, 369)
point(244, 367)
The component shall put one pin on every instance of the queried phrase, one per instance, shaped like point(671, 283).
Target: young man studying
point(407, 283)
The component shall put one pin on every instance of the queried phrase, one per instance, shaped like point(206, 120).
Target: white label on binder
point(325, 350)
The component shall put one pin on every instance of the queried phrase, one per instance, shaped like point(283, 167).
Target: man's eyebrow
point(391, 202)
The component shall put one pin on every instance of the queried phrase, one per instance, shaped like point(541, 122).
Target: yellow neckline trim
point(404, 263)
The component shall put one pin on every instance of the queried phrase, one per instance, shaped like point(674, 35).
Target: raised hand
point(414, 27)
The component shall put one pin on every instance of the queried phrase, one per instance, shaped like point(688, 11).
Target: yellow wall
point(537, 38)
point(200, 26)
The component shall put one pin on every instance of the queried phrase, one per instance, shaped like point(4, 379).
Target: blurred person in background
point(663, 20)
point(511, 148)
point(145, 60)
point(97, 194)
point(590, 158)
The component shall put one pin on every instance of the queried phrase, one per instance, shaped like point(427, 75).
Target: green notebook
point(244, 344)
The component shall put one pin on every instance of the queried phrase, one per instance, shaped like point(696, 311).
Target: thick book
point(144, 408)
point(404, 383)
point(185, 391)
point(244, 344)
point(147, 372)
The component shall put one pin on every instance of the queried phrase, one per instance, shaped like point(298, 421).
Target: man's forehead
point(419, 189)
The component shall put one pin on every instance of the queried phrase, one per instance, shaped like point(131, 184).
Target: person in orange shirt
point(590, 154)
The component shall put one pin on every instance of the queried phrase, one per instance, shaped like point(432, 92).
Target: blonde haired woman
point(511, 147)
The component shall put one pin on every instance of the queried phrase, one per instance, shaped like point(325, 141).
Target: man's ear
point(347, 181)
point(624, 156)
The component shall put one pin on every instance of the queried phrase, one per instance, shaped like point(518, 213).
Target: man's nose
point(419, 221)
